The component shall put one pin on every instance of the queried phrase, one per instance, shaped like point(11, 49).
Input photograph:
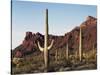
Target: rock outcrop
point(89, 39)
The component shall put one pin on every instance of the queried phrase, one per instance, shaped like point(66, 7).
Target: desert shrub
point(90, 56)
point(17, 61)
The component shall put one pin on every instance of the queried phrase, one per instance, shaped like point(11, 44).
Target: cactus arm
point(41, 49)
point(50, 44)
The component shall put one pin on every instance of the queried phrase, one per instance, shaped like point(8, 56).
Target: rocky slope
point(89, 39)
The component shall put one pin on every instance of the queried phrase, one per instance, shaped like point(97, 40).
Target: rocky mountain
point(89, 39)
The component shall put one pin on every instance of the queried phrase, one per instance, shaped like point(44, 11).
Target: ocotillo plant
point(80, 45)
point(46, 47)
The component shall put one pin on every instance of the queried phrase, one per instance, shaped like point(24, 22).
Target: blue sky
point(30, 16)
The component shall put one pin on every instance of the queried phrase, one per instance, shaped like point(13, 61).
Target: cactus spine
point(45, 49)
point(80, 45)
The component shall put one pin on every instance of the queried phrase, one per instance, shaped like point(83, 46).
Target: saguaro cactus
point(67, 51)
point(46, 47)
point(56, 55)
point(80, 45)
point(93, 50)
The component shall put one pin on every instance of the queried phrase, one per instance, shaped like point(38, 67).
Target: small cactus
point(56, 55)
point(67, 51)
point(45, 49)
point(93, 47)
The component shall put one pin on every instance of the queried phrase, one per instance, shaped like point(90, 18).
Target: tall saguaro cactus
point(80, 45)
point(46, 47)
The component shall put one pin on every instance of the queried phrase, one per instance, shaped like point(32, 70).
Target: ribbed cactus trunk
point(46, 41)
point(46, 47)
point(67, 51)
point(80, 45)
